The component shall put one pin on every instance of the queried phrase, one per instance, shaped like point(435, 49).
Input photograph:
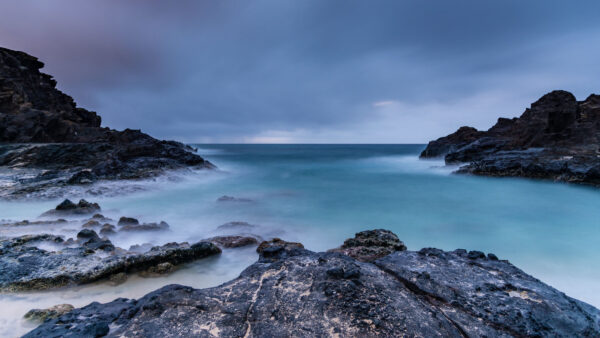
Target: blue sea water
point(322, 194)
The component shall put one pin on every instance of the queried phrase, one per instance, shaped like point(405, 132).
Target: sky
point(308, 71)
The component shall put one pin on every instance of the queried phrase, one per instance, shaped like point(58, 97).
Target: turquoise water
point(322, 194)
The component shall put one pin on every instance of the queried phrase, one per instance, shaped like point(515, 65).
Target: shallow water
point(322, 194)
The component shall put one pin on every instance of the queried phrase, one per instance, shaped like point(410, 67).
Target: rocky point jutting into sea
point(43, 130)
point(371, 285)
point(557, 138)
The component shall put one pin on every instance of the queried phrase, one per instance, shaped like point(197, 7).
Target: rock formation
point(557, 138)
point(42, 128)
point(24, 266)
point(291, 291)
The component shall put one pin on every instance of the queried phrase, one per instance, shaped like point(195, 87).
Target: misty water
point(322, 194)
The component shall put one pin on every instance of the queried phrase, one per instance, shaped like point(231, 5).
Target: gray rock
point(291, 291)
point(370, 245)
point(26, 267)
point(233, 241)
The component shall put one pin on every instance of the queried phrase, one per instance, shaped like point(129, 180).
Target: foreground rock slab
point(557, 138)
point(25, 266)
point(291, 291)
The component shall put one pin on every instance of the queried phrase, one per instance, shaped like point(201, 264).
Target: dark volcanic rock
point(128, 221)
point(41, 127)
point(67, 207)
point(291, 291)
point(26, 267)
point(233, 241)
point(556, 138)
point(370, 245)
point(145, 227)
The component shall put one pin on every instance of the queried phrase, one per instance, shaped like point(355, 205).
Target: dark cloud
point(321, 71)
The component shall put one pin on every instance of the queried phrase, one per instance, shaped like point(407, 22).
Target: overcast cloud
point(308, 71)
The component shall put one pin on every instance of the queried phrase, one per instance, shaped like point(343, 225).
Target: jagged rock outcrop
point(556, 138)
point(367, 246)
point(291, 291)
point(42, 128)
point(24, 266)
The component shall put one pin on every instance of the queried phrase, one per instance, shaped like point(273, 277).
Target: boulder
point(68, 208)
point(370, 245)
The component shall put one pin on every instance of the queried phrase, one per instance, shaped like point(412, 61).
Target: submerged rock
point(370, 245)
point(66, 208)
point(27, 267)
point(236, 225)
point(557, 138)
point(226, 198)
point(40, 315)
point(291, 291)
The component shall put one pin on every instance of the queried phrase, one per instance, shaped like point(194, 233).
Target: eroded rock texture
point(42, 127)
point(291, 291)
point(25, 266)
point(556, 138)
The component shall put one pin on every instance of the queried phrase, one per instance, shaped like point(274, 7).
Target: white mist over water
point(322, 194)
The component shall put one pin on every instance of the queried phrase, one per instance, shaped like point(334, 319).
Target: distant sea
point(322, 194)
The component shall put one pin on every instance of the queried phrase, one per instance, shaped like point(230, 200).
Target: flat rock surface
point(25, 266)
point(557, 138)
point(291, 291)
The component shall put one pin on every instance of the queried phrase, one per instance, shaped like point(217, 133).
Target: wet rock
point(128, 221)
point(226, 198)
point(291, 291)
point(277, 248)
point(28, 223)
point(40, 315)
point(556, 138)
point(26, 267)
point(43, 128)
point(236, 225)
point(141, 248)
point(91, 224)
point(145, 227)
point(67, 207)
point(82, 177)
point(108, 229)
point(158, 270)
point(370, 245)
point(233, 241)
point(117, 279)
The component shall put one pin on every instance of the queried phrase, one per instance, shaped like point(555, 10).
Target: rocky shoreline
point(383, 290)
point(46, 261)
point(47, 141)
point(557, 138)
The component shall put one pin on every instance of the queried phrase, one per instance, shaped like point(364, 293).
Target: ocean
point(322, 194)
